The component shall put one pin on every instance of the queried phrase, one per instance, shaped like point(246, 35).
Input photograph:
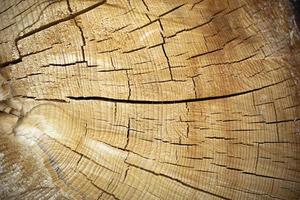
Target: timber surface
point(149, 99)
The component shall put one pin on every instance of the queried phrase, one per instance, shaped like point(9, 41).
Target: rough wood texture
point(149, 99)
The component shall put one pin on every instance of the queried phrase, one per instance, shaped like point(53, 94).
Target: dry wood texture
point(149, 99)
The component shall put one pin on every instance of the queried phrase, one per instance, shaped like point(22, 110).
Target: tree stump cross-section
point(140, 99)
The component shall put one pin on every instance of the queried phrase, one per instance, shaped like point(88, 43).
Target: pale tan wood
point(140, 99)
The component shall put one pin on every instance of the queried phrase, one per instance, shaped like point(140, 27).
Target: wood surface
point(149, 99)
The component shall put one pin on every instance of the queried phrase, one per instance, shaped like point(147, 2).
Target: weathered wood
point(140, 99)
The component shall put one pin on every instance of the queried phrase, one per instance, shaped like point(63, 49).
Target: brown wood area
point(149, 99)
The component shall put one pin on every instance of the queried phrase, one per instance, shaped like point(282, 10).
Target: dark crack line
point(46, 26)
point(6, 9)
point(169, 11)
point(71, 16)
point(196, 4)
point(270, 177)
point(128, 134)
point(91, 98)
point(145, 4)
point(80, 29)
point(39, 17)
point(177, 181)
point(12, 62)
point(96, 186)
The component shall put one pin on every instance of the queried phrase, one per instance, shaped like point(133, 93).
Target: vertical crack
point(164, 50)
point(115, 112)
point(187, 121)
point(129, 86)
point(194, 88)
point(187, 129)
point(80, 29)
point(125, 174)
point(128, 132)
point(112, 63)
point(277, 131)
point(78, 162)
point(165, 54)
point(257, 157)
point(83, 39)
point(145, 4)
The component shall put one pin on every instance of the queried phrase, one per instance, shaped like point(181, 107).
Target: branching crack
point(46, 26)
point(80, 29)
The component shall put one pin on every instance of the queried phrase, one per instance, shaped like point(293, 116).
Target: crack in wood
point(132, 101)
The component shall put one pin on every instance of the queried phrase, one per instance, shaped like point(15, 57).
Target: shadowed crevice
point(296, 8)
point(71, 16)
point(128, 101)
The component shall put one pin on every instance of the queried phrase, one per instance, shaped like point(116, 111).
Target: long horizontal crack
point(91, 98)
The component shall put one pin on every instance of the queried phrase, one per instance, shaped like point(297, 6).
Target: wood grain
point(140, 99)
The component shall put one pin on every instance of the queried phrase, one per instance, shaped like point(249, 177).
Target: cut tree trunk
point(149, 99)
